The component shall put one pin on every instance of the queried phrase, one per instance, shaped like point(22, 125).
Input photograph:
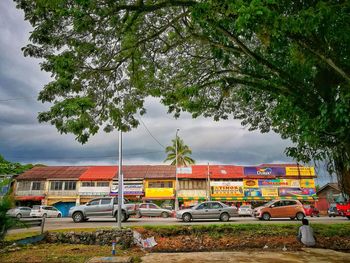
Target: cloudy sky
point(23, 139)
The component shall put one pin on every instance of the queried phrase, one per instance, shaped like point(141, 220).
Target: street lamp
point(176, 180)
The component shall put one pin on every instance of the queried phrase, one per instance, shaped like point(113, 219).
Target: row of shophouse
point(67, 186)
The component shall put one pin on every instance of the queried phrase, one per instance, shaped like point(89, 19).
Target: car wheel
point(19, 216)
point(78, 217)
point(348, 217)
point(165, 214)
point(45, 215)
point(312, 215)
point(300, 216)
point(124, 218)
point(59, 215)
point(266, 216)
point(224, 217)
point(186, 217)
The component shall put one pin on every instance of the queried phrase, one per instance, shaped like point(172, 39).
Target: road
point(66, 223)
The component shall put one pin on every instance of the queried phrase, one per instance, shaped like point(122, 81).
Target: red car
point(310, 210)
point(344, 209)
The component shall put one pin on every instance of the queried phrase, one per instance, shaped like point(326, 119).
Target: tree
point(183, 152)
point(281, 65)
point(10, 168)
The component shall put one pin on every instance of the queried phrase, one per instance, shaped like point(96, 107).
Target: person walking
point(306, 234)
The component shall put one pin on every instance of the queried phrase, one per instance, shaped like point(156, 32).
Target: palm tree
point(183, 152)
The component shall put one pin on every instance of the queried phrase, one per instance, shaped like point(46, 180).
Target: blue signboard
point(264, 171)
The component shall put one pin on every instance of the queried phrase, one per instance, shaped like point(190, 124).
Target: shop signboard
point(279, 183)
point(307, 183)
point(252, 192)
point(159, 192)
point(129, 189)
point(264, 171)
point(251, 183)
point(296, 192)
point(269, 192)
point(300, 171)
point(226, 188)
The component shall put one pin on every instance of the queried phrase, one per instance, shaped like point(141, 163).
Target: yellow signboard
point(227, 191)
point(269, 191)
point(251, 183)
point(300, 171)
point(307, 183)
point(159, 192)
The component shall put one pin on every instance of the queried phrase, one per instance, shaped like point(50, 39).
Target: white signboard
point(225, 183)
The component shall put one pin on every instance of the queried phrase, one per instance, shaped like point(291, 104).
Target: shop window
point(88, 184)
point(70, 185)
point(102, 184)
point(160, 184)
point(24, 186)
point(37, 186)
point(56, 185)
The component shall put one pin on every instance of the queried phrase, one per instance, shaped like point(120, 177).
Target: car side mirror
point(272, 206)
point(87, 204)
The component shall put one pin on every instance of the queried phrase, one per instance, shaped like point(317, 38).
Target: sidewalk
point(307, 255)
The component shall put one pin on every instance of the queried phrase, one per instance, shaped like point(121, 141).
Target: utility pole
point(120, 182)
point(176, 179)
point(208, 185)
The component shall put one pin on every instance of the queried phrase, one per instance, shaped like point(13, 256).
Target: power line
point(154, 138)
point(83, 157)
point(19, 98)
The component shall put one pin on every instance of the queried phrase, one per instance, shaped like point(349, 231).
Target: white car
point(45, 211)
point(245, 210)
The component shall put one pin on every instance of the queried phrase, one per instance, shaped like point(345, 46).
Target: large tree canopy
point(275, 64)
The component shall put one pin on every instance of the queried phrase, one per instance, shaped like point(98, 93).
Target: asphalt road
point(66, 223)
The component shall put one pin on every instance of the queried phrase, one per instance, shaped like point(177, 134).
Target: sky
point(23, 139)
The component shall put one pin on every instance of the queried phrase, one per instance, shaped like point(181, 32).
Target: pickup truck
point(104, 206)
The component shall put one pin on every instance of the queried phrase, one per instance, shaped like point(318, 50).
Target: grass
point(63, 253)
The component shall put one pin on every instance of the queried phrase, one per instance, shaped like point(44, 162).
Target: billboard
point(279, 183)
point(300, 171)
point(226, 188)
point(307, 183)
point(269, 192)
point(296, 192)
point(264, 171)
point(251, 183)
point(252, 192)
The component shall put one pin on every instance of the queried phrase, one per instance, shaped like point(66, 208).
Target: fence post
point(42, 224)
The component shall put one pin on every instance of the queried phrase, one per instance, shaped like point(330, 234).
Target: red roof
point(215, 172)
point(99, 173)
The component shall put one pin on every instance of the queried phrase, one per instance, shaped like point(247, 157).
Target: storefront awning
point(29, 198)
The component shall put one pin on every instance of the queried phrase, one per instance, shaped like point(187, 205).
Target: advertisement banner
point(296, 192)
point(279, 183)
point(307, 183)
point(252, 192)
point(264, 171)
point(269, 191)
point(251, 183)
point(300, 171)
point(129, 189)
point(227, 190)
point(225, 183)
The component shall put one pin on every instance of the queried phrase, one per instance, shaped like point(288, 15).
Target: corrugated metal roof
point(53, 172)
point(99, 173)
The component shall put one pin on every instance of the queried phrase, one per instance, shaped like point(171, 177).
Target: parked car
point(333, 211)
point(310, 210)
point(105, 206)
point(19, 212)
point(245, 210)
point(280, 209)
point(149, 209)
point(208, 210)
point(45, 211)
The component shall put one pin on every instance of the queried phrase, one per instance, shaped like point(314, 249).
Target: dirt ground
point(309, 255)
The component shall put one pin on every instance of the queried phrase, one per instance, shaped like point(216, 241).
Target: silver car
point(208, 210)
point(245, 210)
point(149, 209)
point(19, 212)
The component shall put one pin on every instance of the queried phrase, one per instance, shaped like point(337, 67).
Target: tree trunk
point(342, 170)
